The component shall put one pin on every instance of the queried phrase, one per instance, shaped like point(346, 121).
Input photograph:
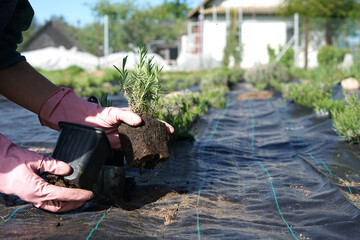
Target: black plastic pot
point(111, 179)
point(85, 149)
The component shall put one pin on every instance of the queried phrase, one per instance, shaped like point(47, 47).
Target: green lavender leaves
point(141, 87)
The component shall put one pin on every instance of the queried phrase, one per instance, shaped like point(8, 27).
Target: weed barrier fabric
point(257, 169)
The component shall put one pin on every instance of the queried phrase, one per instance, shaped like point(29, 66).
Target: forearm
point(25, 86)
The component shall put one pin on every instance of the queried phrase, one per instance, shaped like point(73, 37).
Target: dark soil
point(60, 181)
point(146, 145)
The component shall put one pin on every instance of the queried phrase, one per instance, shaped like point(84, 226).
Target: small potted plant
point(146, 145)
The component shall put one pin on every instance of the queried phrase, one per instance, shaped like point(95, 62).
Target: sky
point(77, 12)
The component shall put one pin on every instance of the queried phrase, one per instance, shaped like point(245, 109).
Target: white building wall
point(245, 3)
point(256, 35)
point(214, 39)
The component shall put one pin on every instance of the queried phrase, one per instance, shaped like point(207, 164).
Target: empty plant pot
point(111, 179)
point(85, 149)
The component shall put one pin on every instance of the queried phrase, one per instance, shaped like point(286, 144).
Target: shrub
point(307, 95)
point(329, 105)
point(347, 122)
point(262, 75)
point(110, 75)
point(173, 81)
point(217, 82)
point(73, 70)
point(181, 110)
point(225, 75)
point(328, 55)
point(287, 59)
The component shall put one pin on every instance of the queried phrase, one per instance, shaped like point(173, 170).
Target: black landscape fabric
point(257, 169)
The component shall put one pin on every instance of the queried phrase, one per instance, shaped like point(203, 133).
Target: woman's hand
point(64, 105)
point(19, 175)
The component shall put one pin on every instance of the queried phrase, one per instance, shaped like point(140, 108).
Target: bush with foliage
point(307, 95)
point(287, 59)
point(347, 122)
point(329, 75)
point(313, 88)
point(84, 83)
point(330, 55)
point(173, 81)
point(262, 75)
point(329, 105)
point(181, 110)
point(217, 82)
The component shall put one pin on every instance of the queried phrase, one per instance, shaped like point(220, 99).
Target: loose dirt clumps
point(256, 95)
point(157, 201)
point(60, 181)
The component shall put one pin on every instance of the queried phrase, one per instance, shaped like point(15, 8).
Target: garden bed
point(256, 169)
point(314, 89)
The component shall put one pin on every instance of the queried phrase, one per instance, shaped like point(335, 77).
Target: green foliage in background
point(262, 75)
point(84, 83)
point(287, 59)
point(313, 88)
point(326, 75)
point(173, 81)
point(333, 12)
point(181, 109)
point(329, 105)
point(133, 24)
point(307, 95)
point(347, 122)
point(232, 49)
point(329, 55)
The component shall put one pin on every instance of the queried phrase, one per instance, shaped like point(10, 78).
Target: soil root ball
point(146, 145)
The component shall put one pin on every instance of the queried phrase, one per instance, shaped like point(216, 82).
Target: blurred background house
point(190, 39)
point(50, 35)
point(168, 51)
point(258, 25)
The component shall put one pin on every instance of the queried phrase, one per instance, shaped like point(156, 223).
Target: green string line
point(323, 163)
point(267, 172)
point(205, 170)
point(276, 201)
point(98, 223)
point(12, 214)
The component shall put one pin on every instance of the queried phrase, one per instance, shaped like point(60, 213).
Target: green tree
point(131, 25)
point(176, 8)
point(232, 48)
point(334, 13)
